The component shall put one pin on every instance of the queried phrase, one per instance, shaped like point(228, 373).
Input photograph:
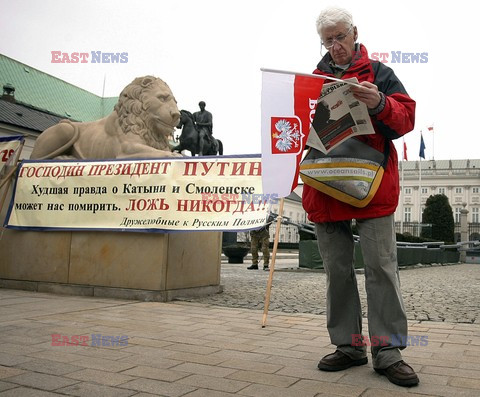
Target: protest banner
point(160, 195)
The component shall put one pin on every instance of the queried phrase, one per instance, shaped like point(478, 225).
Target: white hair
point(331, 16)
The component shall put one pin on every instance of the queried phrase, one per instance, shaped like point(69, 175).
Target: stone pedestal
point(146, 266)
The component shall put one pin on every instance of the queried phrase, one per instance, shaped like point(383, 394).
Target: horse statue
point(189, 138)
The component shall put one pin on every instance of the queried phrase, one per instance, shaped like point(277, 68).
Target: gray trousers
point(386, 312)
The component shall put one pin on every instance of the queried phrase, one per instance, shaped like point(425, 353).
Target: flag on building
point(422, 147)
point(430, 128)
point(288, 106)
point(405, 151)
point(9, 147)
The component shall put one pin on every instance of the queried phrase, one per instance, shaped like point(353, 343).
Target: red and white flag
point(9, 147)
point(405, 151)
point(288, 105)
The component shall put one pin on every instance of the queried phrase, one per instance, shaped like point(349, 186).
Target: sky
point(212, 50)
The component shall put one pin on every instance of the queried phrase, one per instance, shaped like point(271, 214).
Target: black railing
point(414, 229)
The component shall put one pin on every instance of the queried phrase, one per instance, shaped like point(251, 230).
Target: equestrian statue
point(197, 134)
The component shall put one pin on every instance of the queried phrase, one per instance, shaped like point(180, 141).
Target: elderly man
point(392, 113)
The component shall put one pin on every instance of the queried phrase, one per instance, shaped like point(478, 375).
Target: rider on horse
point(204, 123)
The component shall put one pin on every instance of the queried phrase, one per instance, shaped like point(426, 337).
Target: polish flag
point(288, 105)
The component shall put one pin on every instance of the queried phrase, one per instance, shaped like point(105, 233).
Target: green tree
point(439, 214)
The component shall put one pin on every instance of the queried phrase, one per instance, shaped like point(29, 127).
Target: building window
point(475, 215)
point(476, 190)
point(441, 190)
point(458, 190)
point(424, 190)
point(457, 214)
point(408, 190)
point(407, 214)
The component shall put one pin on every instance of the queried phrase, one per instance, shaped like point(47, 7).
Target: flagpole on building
point(433, 145)
point(419, 193)
point(421, 155)
point(272, 264)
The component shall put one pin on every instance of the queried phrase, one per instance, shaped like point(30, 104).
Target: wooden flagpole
point(272, 264)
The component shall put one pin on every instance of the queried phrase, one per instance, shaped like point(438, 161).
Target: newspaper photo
point(338, 117)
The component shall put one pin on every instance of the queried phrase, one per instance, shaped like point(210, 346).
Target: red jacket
point(395, 120)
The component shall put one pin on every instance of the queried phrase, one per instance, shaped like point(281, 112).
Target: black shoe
point(253, 267)
point(400, 373)
point(265, 267)
point(339, 361)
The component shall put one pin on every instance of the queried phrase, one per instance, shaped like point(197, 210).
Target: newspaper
point(338, 117)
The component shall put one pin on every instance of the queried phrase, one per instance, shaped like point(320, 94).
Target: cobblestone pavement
point(447, 293)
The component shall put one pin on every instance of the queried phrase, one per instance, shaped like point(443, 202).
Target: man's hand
point(367, 93)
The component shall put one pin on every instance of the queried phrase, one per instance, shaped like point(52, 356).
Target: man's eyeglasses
point(339, 39)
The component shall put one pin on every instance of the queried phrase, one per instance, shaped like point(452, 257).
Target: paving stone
point(206, 393)
point(251, 366)
point(26, 392)
point(466, 382)
point(144, 395)
point(158, 388)
point(214, 383)
point(55, 356)
point(102, 377)
point(17, 349)
point(311, 373)
point(152, 361)
point(6, 372)
point(6, 386)
point(88, 390)
point(388, 393)
point(309, 387)
point(181, 357)
point(430, 389)
point(263, 378)
point(40, 381)
point(242, 347)
point(102, 364)
point(181, 347)
point(48, 367)
point(202, 369)
point(457, 372)
point(154, 373)
point(260, 390)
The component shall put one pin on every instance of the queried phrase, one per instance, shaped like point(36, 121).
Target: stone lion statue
point(139, 127)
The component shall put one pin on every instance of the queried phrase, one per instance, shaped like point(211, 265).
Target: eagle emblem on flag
point(286, 135)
